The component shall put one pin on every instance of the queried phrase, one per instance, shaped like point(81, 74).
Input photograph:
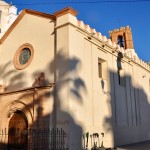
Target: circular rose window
point(23, 56)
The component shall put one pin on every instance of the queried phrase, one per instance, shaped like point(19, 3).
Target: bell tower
point(122, 37)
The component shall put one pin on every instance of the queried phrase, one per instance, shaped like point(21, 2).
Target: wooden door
point(17, 134)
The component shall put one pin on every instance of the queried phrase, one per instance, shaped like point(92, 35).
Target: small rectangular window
point(102, 68)
point(0, 16)
point(149, 84)
point(121, 77)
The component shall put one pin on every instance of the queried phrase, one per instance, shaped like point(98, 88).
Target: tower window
point(120, 41)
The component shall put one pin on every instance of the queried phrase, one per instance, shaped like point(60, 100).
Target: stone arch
point(17, 131)
point(10, 108)
point(121, 41)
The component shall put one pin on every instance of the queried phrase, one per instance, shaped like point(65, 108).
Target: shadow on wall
point(13, 74)
point(130, 109)
point(67, 83)
point(49, 108)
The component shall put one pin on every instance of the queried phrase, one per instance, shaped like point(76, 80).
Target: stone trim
point(27, 89)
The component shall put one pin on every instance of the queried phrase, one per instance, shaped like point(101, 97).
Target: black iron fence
point(33, 139)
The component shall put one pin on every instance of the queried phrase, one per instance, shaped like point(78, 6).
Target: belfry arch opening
point(120, 41)
point(17, 131)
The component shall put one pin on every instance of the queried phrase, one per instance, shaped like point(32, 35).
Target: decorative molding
point(28, 89)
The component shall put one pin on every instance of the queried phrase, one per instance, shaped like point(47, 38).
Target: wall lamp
point(144, 75)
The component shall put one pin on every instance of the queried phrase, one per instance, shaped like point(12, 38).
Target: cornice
point(66, 11)
point(28, 89)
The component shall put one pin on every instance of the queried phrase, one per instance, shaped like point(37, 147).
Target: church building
point(63, 85)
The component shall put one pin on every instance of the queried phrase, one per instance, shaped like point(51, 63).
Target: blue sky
point(104, 16)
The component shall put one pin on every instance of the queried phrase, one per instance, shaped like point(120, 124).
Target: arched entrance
point(17, 134)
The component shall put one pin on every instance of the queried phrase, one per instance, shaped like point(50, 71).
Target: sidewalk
point(137, 146)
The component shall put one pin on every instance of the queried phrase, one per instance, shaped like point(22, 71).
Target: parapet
point(129, 53)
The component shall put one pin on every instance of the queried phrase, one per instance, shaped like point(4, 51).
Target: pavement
point(137, 146)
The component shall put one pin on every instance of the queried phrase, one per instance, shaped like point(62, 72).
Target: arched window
point(120, 41)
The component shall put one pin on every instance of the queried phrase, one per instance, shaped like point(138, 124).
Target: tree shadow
point(130, 108)
point(47, 105)
point(74, 86)
point(13, 75)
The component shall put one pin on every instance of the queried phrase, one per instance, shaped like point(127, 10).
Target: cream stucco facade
point(89, 93)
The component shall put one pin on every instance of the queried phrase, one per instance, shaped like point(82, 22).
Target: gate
point(37, 139)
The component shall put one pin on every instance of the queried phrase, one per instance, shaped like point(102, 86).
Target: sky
point(104, 16)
